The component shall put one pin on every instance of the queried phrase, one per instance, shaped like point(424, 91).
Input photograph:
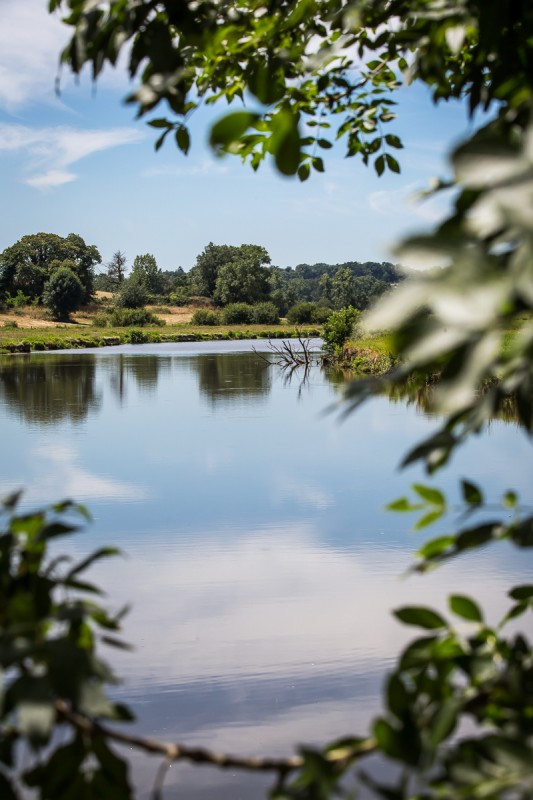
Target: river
point(259, 561)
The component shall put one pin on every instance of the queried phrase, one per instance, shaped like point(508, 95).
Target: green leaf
point(510, 499)
point(420, 616)
point(524, 592)
point(103, 552)
point(428, 519)
point(379, 164)
point(465, 607)
point(392, 140)
point(227, 131)
point(392, 163)
point(444, 722)
point(471, 493)
point(402, 504)
point(183, 140)
point(304, 170)
point(284, 142)
point(435, 547)
point(431, 495)
point(160, 123)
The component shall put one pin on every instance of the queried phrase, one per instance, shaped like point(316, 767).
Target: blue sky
point(82, 163)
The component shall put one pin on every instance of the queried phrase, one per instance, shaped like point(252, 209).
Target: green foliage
point(52, 629)
point(18, 301)
point(238, 314)
point(133, 293)
point(338, 328)
point(204, 316)
point(26, 266)
point(146, 271)
point(139, 317)
point(137, 337)
point(301, 313)
point(265, 314)
point(63, 293)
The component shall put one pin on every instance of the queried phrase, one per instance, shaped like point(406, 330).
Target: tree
point(342, 288)
point(133, 292)
point(116, 269)
point(203, 276)
point(28, 264)
point(453, 321)
point(146, 269)
point(244, 279)
point(63, 293)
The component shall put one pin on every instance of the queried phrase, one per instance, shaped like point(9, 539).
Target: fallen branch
point(201, 755)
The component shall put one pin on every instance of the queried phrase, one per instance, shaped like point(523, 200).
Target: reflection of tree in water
point(144, 369)
point(227, 379)
point(50, 388)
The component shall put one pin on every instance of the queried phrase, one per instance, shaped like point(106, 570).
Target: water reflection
point(261, 565)
point(144, 369)
point(225, 379)
point(49, 390)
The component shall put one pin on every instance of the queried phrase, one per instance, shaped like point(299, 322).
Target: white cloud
point(406, 200)
point(50, 151)
point(61, 476)
point(31, 41)
point(207, 167)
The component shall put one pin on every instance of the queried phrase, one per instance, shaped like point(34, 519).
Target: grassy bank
point(26, 340)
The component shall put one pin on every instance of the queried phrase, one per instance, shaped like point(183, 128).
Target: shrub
point(63, 293)
point(18, 300)
point(179, 298)
point(132, 294)
point(338, 328)
point(321, 314)
point(301, 313)
point(11, 323)
point(238, 314)
point(265, 314)
point(124, 317)
point(137, 337)
point(204, 316)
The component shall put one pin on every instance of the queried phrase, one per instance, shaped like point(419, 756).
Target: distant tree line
point(59, 272)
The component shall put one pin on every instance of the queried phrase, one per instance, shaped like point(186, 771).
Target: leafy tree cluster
point(29, 267)
point(231, 274)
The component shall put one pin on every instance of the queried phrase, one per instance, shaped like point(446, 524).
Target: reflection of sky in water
point(261, 565)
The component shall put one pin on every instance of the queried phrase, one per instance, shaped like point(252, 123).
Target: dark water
point(259, 560)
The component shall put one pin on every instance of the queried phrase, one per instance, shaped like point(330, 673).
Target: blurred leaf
point(420, 616)
point(465, 607)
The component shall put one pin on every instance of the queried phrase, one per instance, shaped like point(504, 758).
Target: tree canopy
point(29, 263)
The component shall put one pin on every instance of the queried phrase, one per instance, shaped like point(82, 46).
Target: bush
point(265, 314)
point(124, 317)
point(238, 314)
point(204, 316)
point(137, 337)
point(301, 313)
point(179, 298)
point(18, 300)
point(132, 294)
point(321, 314)
point(11, 323)
point(63, 293)
point(338, 328)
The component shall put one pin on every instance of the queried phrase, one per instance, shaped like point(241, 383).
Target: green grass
point(65, 338)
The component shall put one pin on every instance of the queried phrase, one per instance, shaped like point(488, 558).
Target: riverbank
point(27, 340)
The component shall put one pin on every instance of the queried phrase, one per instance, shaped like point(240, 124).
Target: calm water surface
point(259, 560)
